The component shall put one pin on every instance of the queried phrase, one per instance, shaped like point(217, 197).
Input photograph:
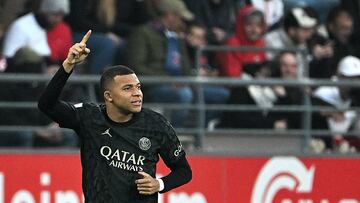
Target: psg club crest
point(144, 143)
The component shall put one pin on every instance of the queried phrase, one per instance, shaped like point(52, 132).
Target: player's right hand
point(147, 185)
point(77, 53)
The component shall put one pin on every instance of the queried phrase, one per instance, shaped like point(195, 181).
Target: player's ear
point(107, 96)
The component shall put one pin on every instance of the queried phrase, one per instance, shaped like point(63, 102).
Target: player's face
point(126, 93)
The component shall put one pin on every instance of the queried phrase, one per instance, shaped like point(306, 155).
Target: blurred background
point(236, 78)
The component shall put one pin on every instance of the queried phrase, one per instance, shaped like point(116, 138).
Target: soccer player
point(120, 141)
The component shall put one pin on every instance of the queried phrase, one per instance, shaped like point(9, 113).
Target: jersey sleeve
point(174, 157)
point(171, 148)
point(64, 113)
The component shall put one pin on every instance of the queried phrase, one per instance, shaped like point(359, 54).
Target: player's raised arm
point(59, 111)
point(77, 53)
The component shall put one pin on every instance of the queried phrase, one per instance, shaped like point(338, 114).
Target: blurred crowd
point(161, 38)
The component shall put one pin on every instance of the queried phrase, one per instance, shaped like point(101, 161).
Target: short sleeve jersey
point(113, 153)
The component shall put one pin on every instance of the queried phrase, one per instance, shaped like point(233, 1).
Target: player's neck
point(118, 116)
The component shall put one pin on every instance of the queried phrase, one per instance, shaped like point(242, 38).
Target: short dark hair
point(275, 64)
point(335, 13)
point(109, 74)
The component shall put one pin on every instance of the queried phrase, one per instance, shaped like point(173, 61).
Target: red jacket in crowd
point(232, 62)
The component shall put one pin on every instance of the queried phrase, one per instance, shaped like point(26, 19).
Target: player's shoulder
point(90, 112)
point(156, 117)
point(157, 122)
point(153, 114)
point(88, 107)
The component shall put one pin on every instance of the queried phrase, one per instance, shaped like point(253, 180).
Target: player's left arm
point(174, 157)
point(62, 112)
point(180, 174)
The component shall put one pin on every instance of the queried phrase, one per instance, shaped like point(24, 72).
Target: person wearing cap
point(158, 49)
point(338, 121)
point(299, 27)
point(349, 69)
point(30, 30)
point(341, 120)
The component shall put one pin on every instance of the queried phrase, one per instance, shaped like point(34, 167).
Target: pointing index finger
point(86, 37)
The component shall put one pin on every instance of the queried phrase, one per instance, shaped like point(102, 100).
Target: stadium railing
point(197, 133)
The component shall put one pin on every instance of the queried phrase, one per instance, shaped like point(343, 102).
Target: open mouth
point(137, 103)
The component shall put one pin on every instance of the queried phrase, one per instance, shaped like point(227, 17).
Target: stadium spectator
point(285, 67)
point(156, 49)
point(25, 61)
point(10, 10)
point(322, 7)
point(30, 30)
point(265, 97)
point(218, 16)
point(59, 36)
point(60, 40)
point(340, 25)
point(353, 8)
point(338, 43)
point(131, 14)
point(340, 30)
point(336, 121)
point(100, 17)
point(341, 120)
point(250, 28)
point(196, 38)
point(273, 11)
point(261, 96)
point(322, 50)
point(299, 27)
